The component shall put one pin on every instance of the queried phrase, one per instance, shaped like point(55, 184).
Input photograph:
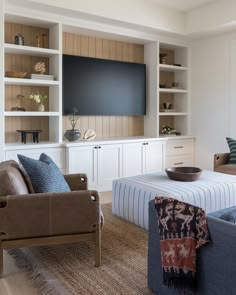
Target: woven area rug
point(69, 269)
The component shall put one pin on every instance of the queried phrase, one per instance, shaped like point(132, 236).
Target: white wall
point(146, 14)
point(212, 87)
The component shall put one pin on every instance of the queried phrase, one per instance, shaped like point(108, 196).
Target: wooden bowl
point(16, 74)
point(183, 173)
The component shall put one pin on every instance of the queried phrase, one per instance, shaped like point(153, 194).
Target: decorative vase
point(41, 107)
point(72, 134)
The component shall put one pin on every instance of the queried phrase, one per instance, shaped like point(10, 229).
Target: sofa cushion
point(232, 147)
point(227, 168)
point(229, 215)
point(12, 181)
point(44, 174)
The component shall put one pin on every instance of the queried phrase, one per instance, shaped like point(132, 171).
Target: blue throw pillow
point(232, 147)
point(229, 216)
point(44, 174)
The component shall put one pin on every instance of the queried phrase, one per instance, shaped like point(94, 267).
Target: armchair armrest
point(221, 159)
point(38, 215)
point(77, 181)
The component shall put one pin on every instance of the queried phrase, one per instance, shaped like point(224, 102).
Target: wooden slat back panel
point(105, 126)
point(23, 63)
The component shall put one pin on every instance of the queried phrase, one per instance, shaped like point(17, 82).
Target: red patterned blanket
point(183, 229)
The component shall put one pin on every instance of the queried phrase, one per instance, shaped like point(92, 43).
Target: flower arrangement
point(37, 97)
point(168, 130)
point(40, 67)
point(73, 118)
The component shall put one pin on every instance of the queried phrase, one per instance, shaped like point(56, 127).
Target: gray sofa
point(216, 263)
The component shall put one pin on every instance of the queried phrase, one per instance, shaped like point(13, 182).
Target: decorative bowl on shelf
point(16, 74)
point(183, 173)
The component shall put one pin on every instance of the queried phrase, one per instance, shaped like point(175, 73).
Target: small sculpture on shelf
point(19, 39)
point(89, 134)
point(162, 57)
point(40, 67)
point(17, 107)
point(73, 134)
point(167, 130)
point(39, 99)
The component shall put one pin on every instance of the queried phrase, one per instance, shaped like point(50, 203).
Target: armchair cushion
point(12, 181)
point(44, 174)
point(232, 147)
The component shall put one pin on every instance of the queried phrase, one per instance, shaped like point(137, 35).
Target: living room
point(188, 49)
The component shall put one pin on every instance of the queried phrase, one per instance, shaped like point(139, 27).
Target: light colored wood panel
point(125, 126)
point(76, 45)
point(105, 49)
point(112, 49)
point(118, 55)
point(92, 47)
point(170, 59)
point(124, 52)
point(26, 34)
point(98, 48)
point(119, 126)
point(8, 34)
point(109, 49)
point(130, 52)
point(112, 126)
point(69, 43)
point(84, 45)
point(98, 129)
point(105, 126)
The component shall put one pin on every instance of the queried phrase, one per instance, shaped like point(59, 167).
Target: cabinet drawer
point(179, 147)
point(178, 161)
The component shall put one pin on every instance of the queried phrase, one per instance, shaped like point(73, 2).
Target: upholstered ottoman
point(131, 195)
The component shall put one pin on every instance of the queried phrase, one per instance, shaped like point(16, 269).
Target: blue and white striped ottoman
point(131, 195)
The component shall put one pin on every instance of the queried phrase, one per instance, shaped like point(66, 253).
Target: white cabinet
point(102, 163)
point(180, 152)
point(56, 153)
point(143, 157)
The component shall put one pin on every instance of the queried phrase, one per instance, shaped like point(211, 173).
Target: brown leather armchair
point(28, 219)
point(221, 164)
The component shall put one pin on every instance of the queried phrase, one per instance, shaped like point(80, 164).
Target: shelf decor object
point(18, 107)
point(39, 99)
point(16, 74)
point(73, 134)
point(24, 133)
point(89, 134)
point(183, 173)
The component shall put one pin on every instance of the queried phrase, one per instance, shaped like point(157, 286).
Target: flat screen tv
point(103, 87)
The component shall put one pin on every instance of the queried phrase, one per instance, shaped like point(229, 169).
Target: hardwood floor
point(15, 282)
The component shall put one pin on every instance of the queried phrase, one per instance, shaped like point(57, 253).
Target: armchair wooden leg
point(1, 260)
point(98, 246)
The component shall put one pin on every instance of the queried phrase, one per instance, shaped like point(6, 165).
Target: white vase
point(41, 107)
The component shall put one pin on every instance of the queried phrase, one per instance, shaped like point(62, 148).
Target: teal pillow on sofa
point(44, 174)
point(232, 147)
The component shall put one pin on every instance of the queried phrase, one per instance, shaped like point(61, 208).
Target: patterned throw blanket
point(183, 229)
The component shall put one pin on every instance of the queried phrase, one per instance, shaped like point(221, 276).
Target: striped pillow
point(232, 148)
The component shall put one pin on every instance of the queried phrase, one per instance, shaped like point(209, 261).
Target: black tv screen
point(103, 87)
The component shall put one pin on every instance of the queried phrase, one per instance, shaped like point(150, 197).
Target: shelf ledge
point(33, 82)
point(31, 114)
point(29, 50)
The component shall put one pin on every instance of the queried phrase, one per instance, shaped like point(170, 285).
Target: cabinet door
point(109, 165)
point(153, 157)
point(132, 159)
point(83, 160)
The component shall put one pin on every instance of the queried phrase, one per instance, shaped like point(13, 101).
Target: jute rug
point(69, 269)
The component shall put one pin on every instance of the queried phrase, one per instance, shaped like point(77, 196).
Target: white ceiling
point(183, 5)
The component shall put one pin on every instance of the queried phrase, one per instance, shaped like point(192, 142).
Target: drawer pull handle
point(178, 147)
point(180, 163)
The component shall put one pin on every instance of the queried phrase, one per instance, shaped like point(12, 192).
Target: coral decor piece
point(40, 67)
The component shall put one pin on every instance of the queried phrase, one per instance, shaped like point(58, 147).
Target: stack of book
point(42, 77)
